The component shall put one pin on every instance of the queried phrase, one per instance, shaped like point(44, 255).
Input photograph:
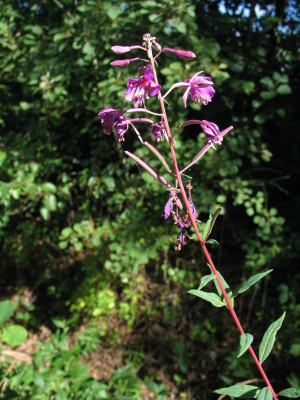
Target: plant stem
point(193, 222)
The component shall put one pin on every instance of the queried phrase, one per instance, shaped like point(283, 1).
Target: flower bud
point(121, 49)
point(186, 54)
point(125, 49)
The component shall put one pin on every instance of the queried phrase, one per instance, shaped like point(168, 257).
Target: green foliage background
point(81, 227)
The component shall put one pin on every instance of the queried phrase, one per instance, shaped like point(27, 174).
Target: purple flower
point(138, 89)
point(168, 208)
point(193, 208)
point(112, 118)
point(212, 131)
point(158, 130)
point(181, 238)
point(198, 93)
point(180, 241)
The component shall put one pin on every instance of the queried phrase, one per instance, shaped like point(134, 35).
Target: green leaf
point(226, 287)
point(113, 12)
point(243, 391)
point(284, 89)
point(45, 213)
point(280, 78)
point(49, 187)
point(264, 394)
point(7, 309)
point(214, 242)
point(269, 338)
point(205, 280)
point(266, 81)
point(260, 118)
point(212, 298)
point(245, 341)
point(2, 157)
point(251, 281)
point(66, 232)
point(50, 202)
point(293, 393)
point(210, 223)
point(14, 335)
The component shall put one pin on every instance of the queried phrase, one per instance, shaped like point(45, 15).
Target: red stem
point(193, 221)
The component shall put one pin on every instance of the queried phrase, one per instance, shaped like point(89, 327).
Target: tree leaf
point(269, 338)
point(7, 309)
point(293, 393)
point(264, 394)
point(245, 341)
point(251, 281)
point(14, 335)
point(242, 390)
point(284, 89)
point(212, 298)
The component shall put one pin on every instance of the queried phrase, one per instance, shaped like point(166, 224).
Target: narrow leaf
point(242, 390)
point(252, 280)
point(205, 280)
point(212, 298)
point(269, 338)
point(226, 287)
point(245, 341)
point(148, 169)
point(211, 222)
point(264, 394)
point(292, 393)
point(159, 156)
point(212, 241)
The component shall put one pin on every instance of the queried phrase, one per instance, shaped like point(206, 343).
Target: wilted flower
point(198, 93)
point(168, 208)
point(158, 130)
point(211, 131)
point(113, 118)
point(139, 88)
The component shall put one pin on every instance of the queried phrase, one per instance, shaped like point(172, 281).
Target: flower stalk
point(194, 224)
point(200, 89)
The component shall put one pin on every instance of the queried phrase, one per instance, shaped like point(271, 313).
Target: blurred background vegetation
point(94, 297)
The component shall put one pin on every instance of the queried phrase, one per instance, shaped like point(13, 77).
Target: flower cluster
point(198, 88)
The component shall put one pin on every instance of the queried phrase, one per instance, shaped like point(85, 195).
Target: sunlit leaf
point(7, 309)
point(14, 335)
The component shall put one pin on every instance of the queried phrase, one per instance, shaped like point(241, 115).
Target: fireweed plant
point(180, 206)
